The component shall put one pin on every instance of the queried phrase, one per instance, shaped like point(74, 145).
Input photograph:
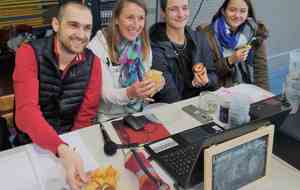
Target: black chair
point(287, 140)
point(6, 120)
point(4, 135)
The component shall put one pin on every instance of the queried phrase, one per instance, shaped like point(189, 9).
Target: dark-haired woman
point(237, 40)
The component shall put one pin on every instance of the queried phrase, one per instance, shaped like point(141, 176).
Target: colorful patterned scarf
point(130, 57)
point(132, 68)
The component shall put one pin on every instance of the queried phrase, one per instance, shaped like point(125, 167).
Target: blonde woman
point(126, 56)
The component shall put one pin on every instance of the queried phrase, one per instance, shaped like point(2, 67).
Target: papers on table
point(74, 140)
point(49, 169)
point(34, 168)
point(17, 172)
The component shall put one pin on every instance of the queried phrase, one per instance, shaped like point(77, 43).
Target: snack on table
point(102, 179)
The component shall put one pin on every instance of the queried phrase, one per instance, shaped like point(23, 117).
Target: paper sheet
point(49, 169)
point(74, 140)
point(17, 172)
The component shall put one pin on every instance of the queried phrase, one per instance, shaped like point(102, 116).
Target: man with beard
point(57, 83)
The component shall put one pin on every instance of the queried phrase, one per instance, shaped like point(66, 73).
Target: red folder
point(152, 131)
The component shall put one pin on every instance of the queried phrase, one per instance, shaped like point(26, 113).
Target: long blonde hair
point(112, 31)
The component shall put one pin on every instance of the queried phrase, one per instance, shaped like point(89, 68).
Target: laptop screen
point(274, 109)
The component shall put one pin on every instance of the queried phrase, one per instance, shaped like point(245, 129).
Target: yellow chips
point(103, 179)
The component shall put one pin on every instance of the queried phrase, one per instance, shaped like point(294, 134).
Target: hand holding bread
point(157, 77)
point(200, 75)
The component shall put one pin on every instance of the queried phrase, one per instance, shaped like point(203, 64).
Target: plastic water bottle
point(292, 90)
point(239, 110)
point(224, 111)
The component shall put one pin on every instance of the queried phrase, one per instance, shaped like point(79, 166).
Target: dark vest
point(60, 97)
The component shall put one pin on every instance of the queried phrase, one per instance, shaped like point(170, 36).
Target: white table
point(282, 175)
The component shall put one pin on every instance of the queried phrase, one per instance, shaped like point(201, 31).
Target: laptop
point(181, 154)
point(275, 108)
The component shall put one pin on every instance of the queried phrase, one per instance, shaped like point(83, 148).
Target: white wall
point(283, 21)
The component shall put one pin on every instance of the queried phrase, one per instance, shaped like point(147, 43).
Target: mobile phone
point(197, 113)
point(136, 123)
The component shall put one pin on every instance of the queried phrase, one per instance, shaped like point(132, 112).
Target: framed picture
point(240, 161)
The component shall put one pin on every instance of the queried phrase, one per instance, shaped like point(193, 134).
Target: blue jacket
point(165, 59)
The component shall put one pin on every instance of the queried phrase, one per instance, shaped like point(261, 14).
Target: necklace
point(179, 48)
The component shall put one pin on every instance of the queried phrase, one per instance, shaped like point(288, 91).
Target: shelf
point(35, 13)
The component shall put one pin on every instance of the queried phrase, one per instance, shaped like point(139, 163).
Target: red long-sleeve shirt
point(29, 117)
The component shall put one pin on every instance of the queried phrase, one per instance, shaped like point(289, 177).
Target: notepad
point(74, 139)
point(17, 171)
point(49, 168)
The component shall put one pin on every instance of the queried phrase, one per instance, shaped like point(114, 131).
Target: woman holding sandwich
point(126, 57)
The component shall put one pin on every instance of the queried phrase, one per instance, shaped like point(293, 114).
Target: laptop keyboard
point(196, 135)
point(181, 161)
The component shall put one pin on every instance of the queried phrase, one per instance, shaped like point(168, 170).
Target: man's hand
point(200, 75)
point(73, 165)
point(141, 89)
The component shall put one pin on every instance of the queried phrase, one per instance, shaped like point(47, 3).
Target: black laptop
point(275, 108)
point(181, 154)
